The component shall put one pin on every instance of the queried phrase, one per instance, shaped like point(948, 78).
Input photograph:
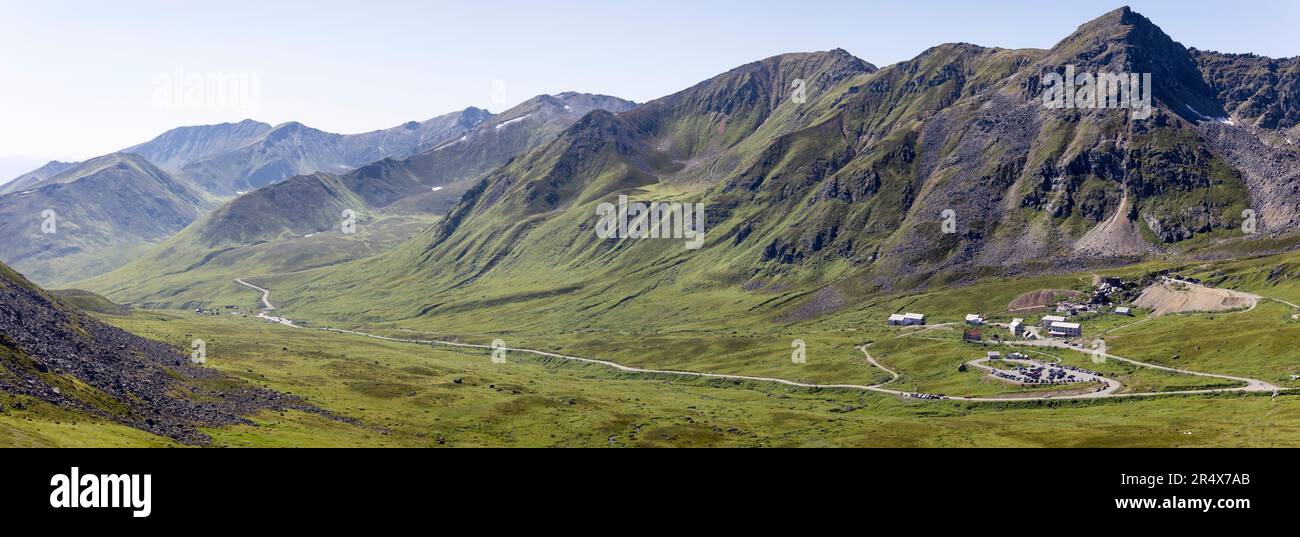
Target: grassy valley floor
point(407, 394)
point(414, 395)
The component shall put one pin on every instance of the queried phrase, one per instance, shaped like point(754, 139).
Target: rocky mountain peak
point(1124, 41)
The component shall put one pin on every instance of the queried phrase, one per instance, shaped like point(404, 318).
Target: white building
point(1017, 327)
point(907, 319)
point(1062, 329)
point(994, 355)
point(974, 320)
point(1049, 319)
point(1124, 311)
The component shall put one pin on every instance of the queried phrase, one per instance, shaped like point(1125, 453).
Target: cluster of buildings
point(233, 310)
point(1066, 307)
point(1057, 325)
point(1073, 308)
point(201, 311)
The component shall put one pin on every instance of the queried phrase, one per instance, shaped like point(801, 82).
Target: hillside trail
point(267, 306)
point(1280, 301)
point(266, 295)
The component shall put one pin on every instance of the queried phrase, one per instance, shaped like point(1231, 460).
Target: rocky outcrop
point(51, 351)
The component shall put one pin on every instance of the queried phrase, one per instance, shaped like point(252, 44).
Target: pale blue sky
point(79, 77)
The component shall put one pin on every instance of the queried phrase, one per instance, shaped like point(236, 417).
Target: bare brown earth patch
point(1167, 297)
point(1041, 298)
point(1116, 236)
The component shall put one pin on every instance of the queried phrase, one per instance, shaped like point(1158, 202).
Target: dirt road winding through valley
point(267, 306)
point(1252, 385)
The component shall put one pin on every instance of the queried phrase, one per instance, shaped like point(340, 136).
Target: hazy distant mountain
point(177, 147)
point(169, 151)
point(295, 149)
point(311, 203)
point(104, 211)
point(27, 180)
point(306, 205)
point(226, 158)
point(233, 157)
point(12, 166)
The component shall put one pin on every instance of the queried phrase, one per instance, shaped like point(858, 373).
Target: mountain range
point(296, 224)
point(94, 216)
point(831, 193)
point(845, 195)
point(819, 171)
point(292, 149)
point(428, 182)
point(202, 165)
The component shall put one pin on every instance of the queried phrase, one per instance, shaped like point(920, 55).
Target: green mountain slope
point(811, 206)
point(541, 206)
point(301, 217)
point(98, 215)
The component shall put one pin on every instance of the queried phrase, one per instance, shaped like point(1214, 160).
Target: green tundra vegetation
point(823, 219)
point(405, 394)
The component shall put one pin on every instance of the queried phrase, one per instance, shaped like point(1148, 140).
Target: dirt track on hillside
point(1252, 385)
